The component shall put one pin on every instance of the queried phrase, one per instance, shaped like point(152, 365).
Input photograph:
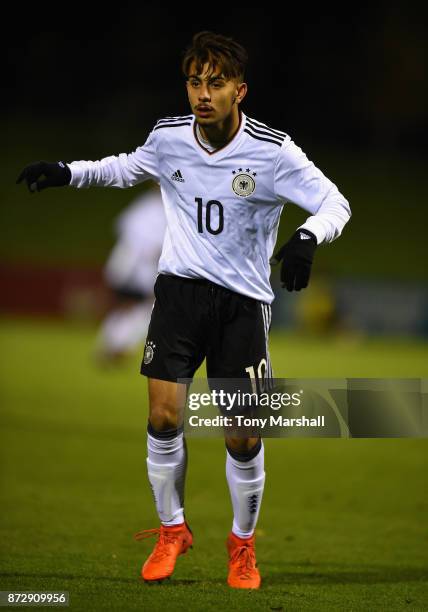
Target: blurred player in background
point(225, 178)
point(130, 273)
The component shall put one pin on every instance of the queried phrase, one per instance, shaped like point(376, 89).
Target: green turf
point(343, 524)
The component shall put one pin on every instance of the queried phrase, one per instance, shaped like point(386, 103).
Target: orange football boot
point(172, 542)
point(243, 572)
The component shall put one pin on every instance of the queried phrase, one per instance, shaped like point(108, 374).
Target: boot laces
point(245, 558)
point(165, 539)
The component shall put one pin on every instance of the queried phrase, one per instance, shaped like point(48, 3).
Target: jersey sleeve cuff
point(312, 224)
point(76, 175)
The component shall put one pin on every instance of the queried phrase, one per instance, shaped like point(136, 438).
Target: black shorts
point(196, 318)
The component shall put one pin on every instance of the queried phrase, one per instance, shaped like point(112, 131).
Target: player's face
point(212, 97)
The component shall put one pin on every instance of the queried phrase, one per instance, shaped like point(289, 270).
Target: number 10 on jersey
point(212, 207)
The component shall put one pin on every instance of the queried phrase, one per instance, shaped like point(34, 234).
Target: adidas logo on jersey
point(304, 236)
point(176, 176)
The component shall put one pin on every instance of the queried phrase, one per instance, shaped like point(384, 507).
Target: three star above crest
point(246, 170)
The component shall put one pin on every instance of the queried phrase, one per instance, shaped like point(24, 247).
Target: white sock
point(246, 481)
point(166, 468)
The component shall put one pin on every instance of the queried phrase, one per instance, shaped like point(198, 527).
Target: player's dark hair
point(218, 51)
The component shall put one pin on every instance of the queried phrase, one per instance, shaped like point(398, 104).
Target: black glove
point(297, 256)
point(57, 175)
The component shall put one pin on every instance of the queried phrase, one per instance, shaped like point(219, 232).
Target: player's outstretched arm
point(121, 171)
point(42, 174)
point(296, 257)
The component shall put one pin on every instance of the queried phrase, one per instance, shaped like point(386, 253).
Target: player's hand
point(56, 175)
point(297, 256)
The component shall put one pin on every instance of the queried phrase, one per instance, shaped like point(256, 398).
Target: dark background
point(353, 79)
point(87, 81)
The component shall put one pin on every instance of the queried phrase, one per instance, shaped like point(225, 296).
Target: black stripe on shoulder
point(165, 125)
point(178, 116)
point(265, 133)
point(265, 139)
point(173, 119)
point(257, 124)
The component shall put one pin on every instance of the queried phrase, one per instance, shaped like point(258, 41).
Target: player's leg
point(240, 352)
point(237, 354)
point(166, 449)
point(246, 478)
point(166, 469)
point(173, 350)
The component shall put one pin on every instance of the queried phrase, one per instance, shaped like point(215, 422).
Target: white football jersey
point(223, 207)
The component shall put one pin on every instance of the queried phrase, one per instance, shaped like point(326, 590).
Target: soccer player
point(130, 273)
point(225, 178)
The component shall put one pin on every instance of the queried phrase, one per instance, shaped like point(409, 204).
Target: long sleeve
point(121, 171)
point(299, 181)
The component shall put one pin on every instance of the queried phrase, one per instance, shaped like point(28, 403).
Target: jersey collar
point(225, 149)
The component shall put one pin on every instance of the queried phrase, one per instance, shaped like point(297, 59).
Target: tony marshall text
point(241, 421)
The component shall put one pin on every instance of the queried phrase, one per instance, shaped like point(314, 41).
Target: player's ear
point(241, 91)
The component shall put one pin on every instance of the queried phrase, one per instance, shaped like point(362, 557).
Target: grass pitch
point(343, 525)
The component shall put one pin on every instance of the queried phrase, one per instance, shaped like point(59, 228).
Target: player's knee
point(243, 445)
point(163, 416)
